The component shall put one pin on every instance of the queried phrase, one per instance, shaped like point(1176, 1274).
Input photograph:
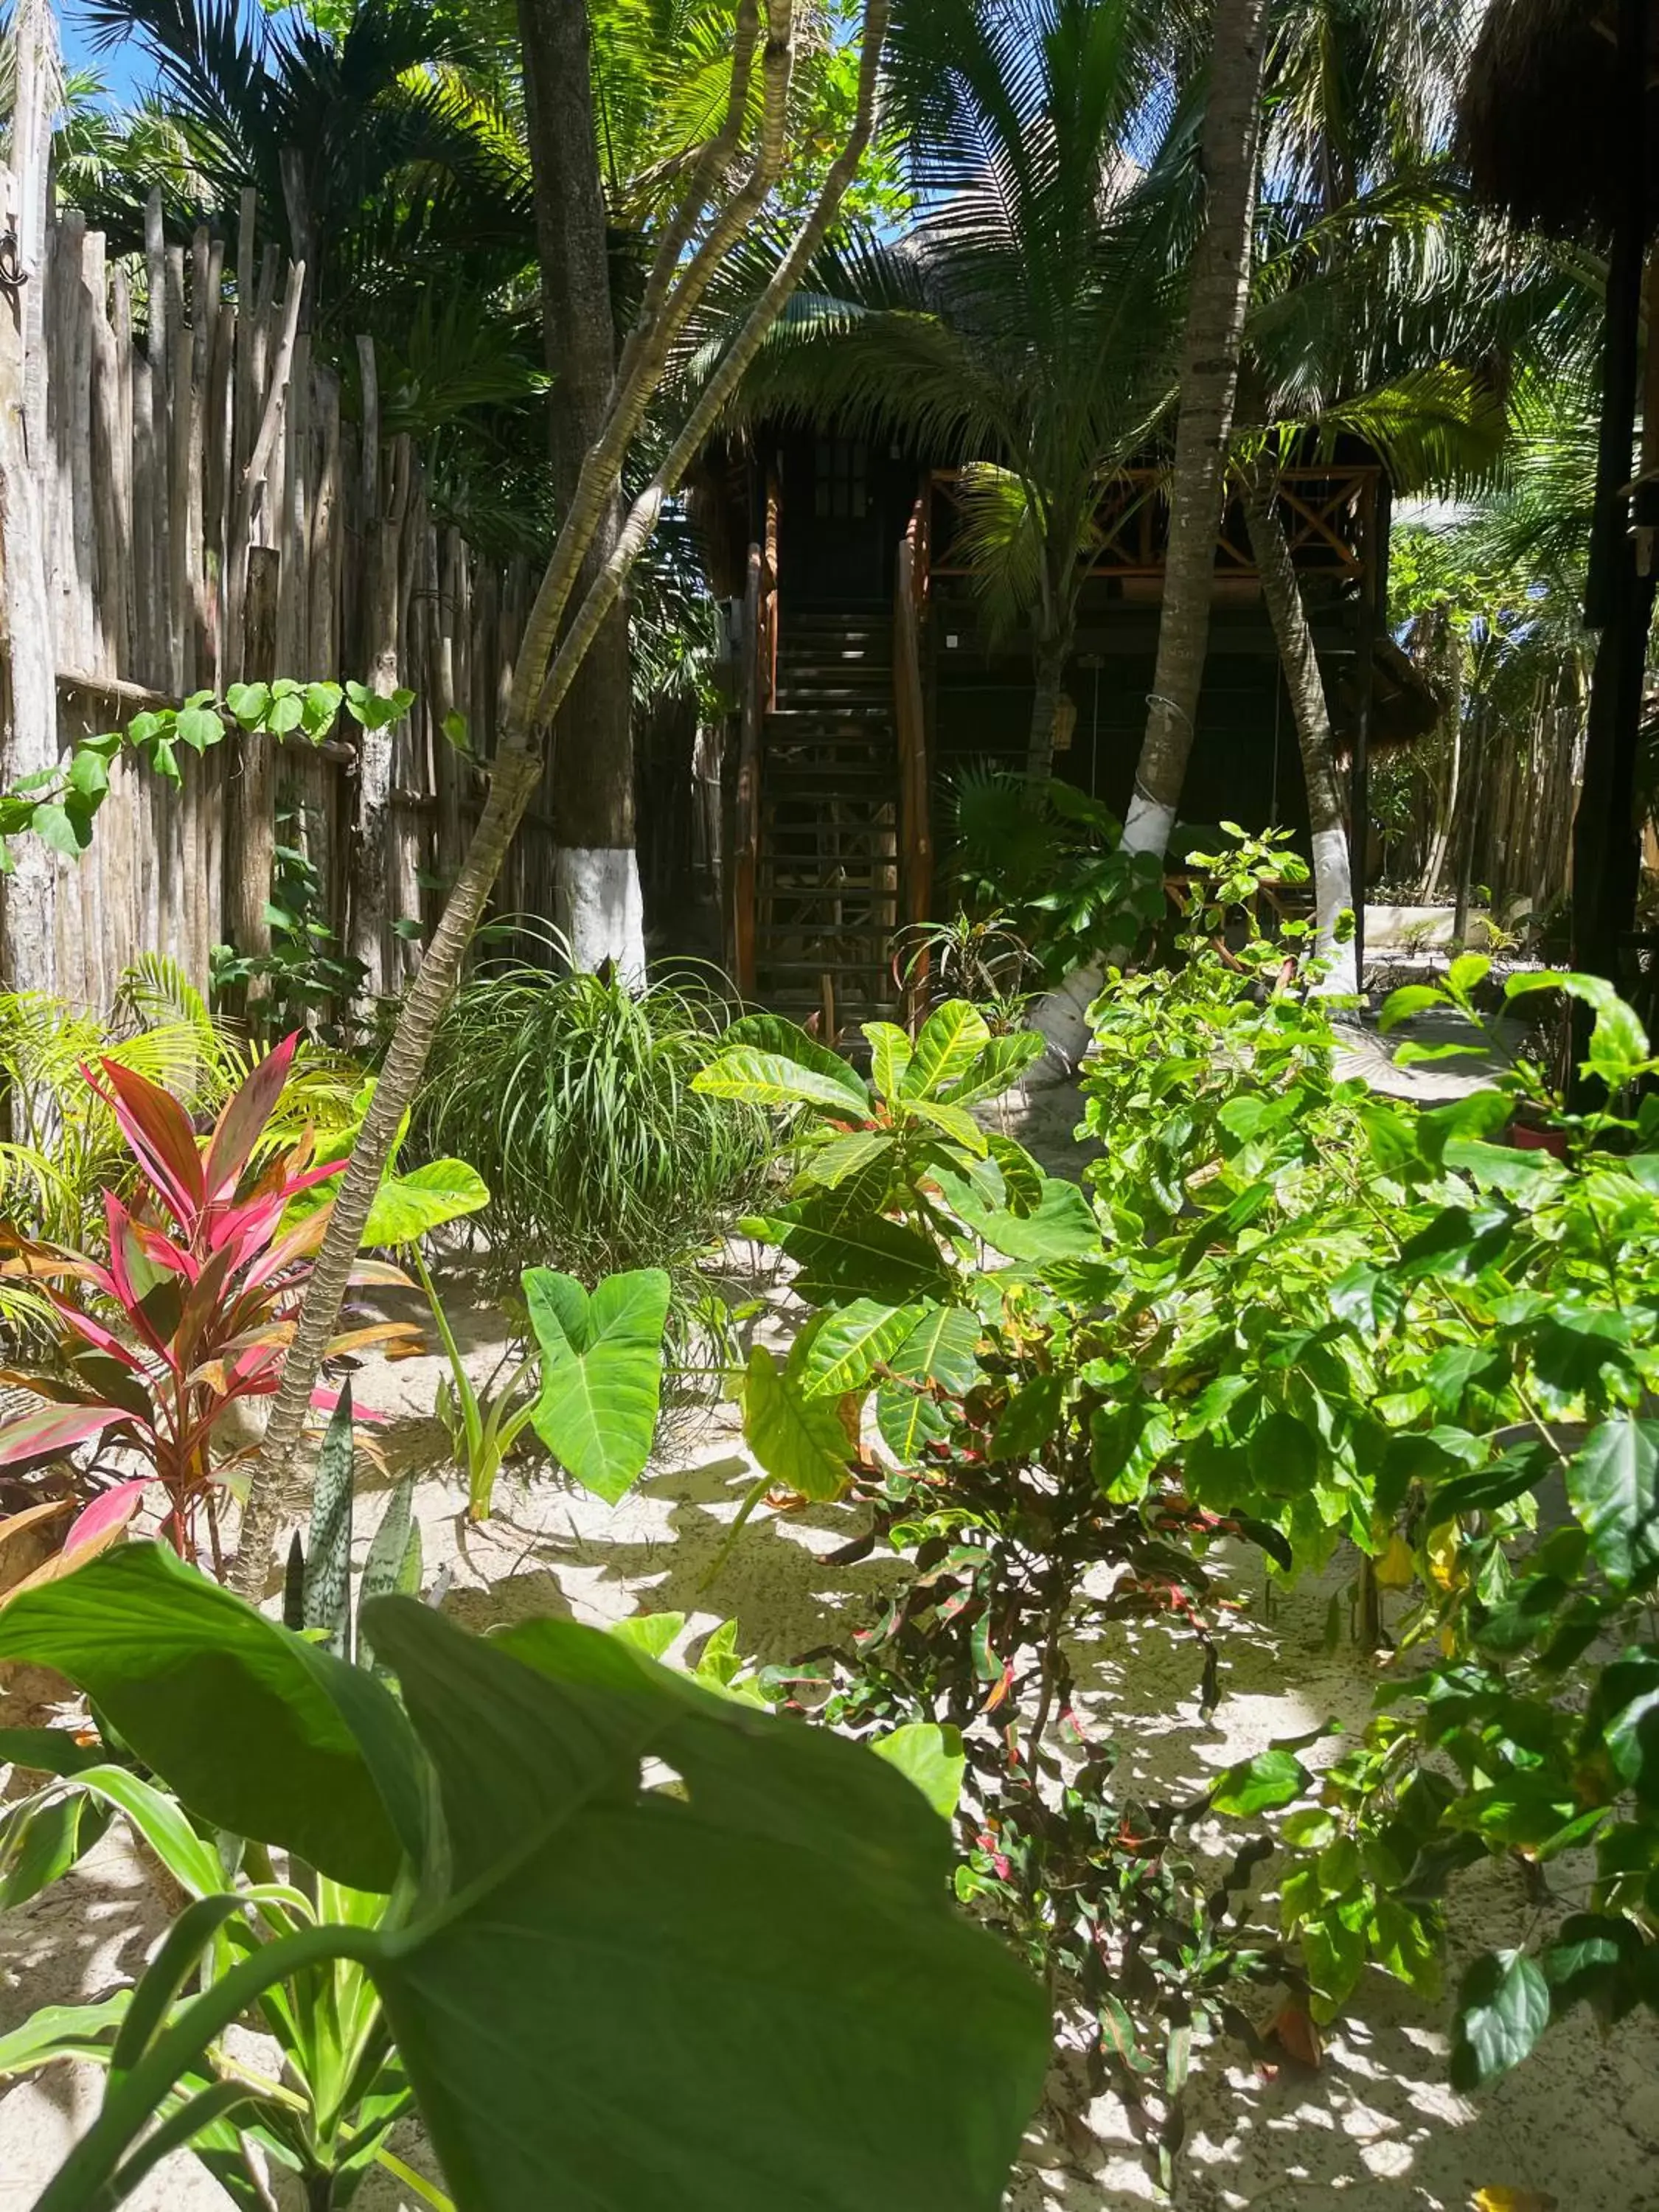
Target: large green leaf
point(953, 1121)
point(932, 1758)
point(409, 1207)
point(909, 1420)
point(951, 1039)
point(841, 1156)
point(997, 1067)
point(767, 1079)
point(41, 1837)
point(941, 1351)
point(257, 1731)
point(748, 1993)
point(942, 1348)
point(798, 1441)
point(1503, 2008)
point(889, 1056)
point(853, 1341)
point(843, 1255)
point(601, 1373)
point(774, 1033)
point(62, 2031)
point(1271, 1779)
point(1061, 1225)
point(1613, 1486)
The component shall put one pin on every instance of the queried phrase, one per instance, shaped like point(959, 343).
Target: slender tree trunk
point(280, 1474)
point(1332, 878)
point(596, 873)
point(1441, 829)
point(1474, 779)
point(1050, 655)
point(1219, 295)
point(1209, 383)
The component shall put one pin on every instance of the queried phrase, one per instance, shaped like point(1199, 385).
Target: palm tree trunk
point(1333, 875)
point(1209, 382)
point(279, 1474)
point(1050, 656)
point(596, 874)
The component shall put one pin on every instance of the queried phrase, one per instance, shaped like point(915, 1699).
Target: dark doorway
point(839, 525)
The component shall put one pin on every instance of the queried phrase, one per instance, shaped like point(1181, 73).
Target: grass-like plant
point(572, 1095)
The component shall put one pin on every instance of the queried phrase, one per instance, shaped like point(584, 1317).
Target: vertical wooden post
point(1360, 801)
point(28, 940)
point(249, 786)
point(1619, 599)
point(371, 915)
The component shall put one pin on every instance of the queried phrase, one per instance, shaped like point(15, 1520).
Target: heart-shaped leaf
point(601, 1373)
point(256, 1729)
point(784, 1917)
point(408, 1207)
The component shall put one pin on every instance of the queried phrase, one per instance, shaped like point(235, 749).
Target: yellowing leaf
point(1498, 2198)
point(1443, 1547)
point(1396, 1570)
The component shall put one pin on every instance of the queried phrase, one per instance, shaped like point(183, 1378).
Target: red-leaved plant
point(195, 1308)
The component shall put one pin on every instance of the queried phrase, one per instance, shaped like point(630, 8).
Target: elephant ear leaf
point(801, 1873)
point(601, 1373)
point(253, 1728)
point(409, 1207)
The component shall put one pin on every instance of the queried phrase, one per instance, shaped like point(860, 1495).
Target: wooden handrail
point(909, 721)
point(1323, 503)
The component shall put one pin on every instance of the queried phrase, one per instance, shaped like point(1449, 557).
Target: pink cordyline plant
point(194, 1309)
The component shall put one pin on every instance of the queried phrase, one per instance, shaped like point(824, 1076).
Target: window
point(838, 485)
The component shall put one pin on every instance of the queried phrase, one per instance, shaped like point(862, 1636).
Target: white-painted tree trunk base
point(1147, 825)
point(598, 909)
point(1333, 898)
point(1061, 1017)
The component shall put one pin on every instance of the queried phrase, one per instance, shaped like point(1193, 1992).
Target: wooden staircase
point(827, 852)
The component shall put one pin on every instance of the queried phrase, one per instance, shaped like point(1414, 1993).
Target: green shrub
point(571, 1094)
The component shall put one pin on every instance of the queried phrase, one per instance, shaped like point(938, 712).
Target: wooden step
point(826, 897)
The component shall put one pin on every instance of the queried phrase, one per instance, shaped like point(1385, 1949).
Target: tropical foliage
point(187, 1314)
point(568, 1906)
point(812, 1868)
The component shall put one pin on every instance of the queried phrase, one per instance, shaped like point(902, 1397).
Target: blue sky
point(122, 68)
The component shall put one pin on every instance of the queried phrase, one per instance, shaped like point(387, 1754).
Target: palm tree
point(1381, 300)
point(597, 906)
point(1024, 324)
point(558, 632)
point(1217, 300)
point(370, 152)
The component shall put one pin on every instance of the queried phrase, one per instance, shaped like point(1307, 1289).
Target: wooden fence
point(183, 503)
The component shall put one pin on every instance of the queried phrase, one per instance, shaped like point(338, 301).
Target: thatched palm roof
point(1536, 117)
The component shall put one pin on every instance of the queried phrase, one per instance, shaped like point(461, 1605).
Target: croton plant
point(191, 1311)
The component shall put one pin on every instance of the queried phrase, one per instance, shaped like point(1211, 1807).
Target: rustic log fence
point(184, 504)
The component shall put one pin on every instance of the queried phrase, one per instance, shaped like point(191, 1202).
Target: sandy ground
point(1375, 2129)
